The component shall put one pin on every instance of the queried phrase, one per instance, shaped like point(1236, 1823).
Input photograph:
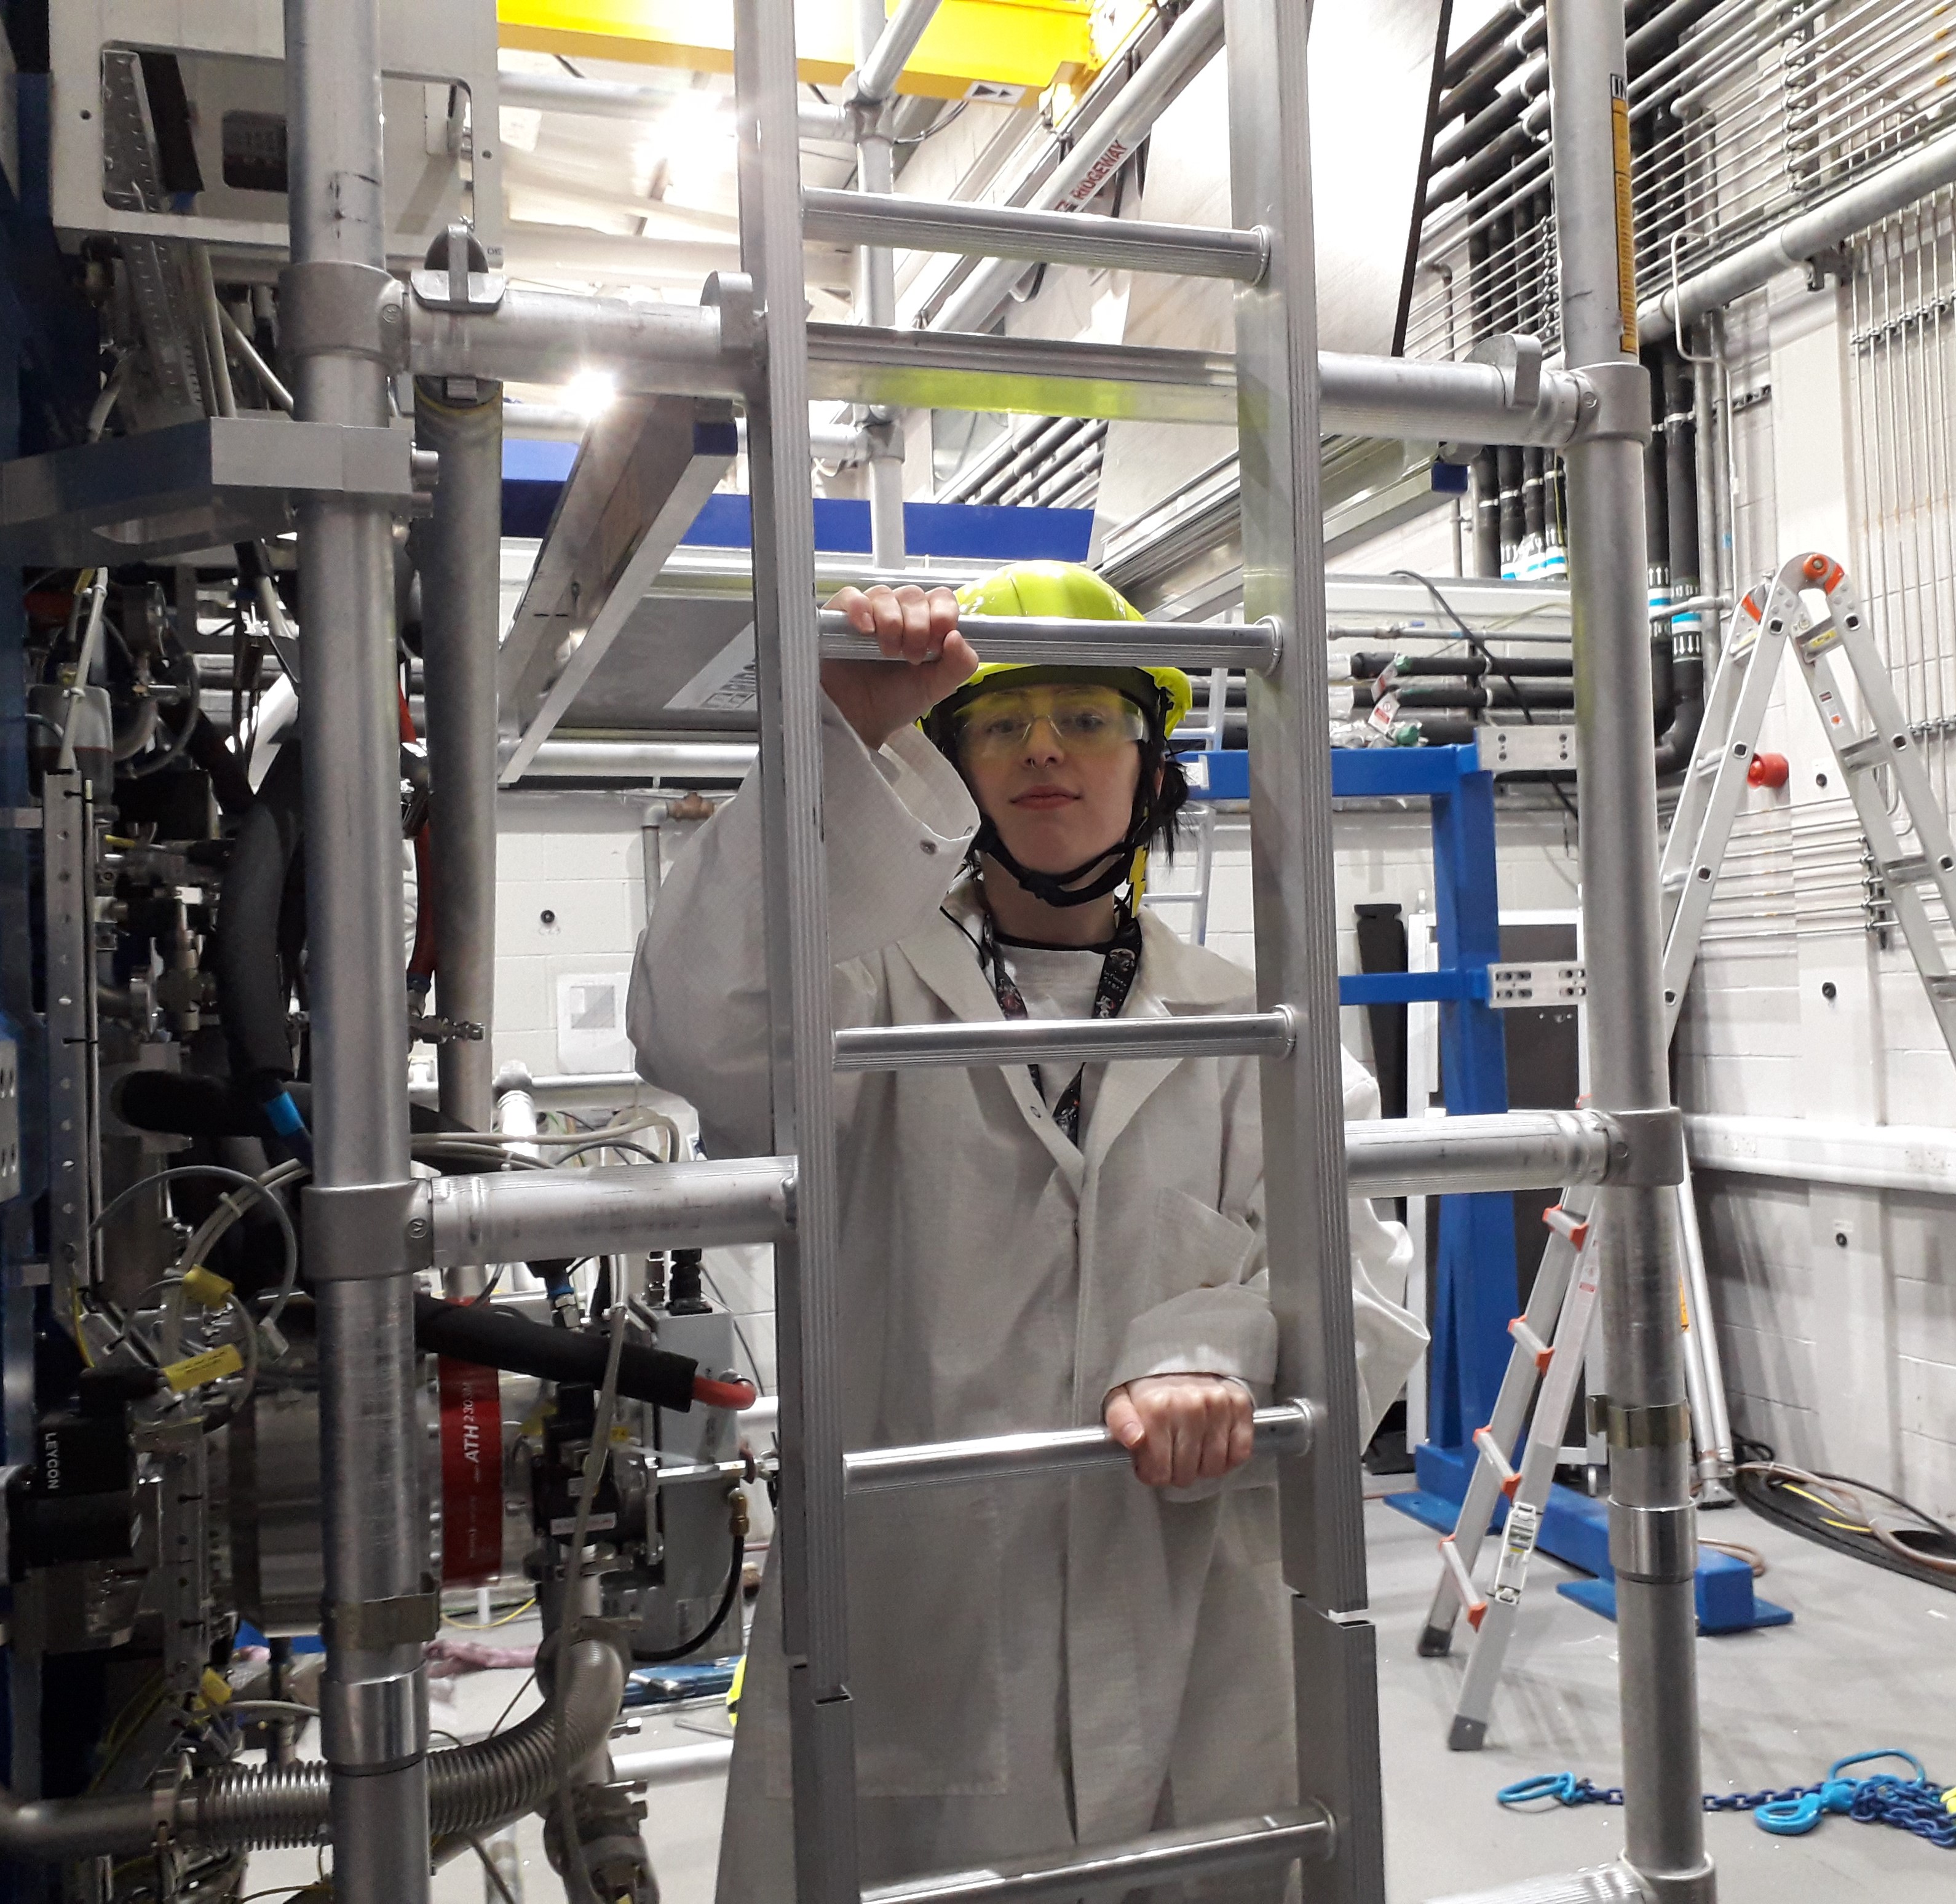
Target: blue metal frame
point(1472, 1288)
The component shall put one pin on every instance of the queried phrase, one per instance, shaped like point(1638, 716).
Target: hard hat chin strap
point(1058, 889)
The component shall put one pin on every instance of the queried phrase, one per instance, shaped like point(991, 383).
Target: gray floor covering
point(1870, 1660)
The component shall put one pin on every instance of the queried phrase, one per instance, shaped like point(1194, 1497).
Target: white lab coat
point(1032, 1662)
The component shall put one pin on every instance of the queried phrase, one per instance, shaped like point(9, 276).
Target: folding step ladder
point(1338, 1826)
point(1869, 736)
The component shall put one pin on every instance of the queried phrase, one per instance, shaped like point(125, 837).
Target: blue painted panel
point(973, 531)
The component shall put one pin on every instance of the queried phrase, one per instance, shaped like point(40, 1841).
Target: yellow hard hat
point(1069, 592)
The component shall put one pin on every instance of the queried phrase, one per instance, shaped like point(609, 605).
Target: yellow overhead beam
point(969, 45)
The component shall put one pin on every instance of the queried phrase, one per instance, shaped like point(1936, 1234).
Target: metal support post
point(1652, 1531)
point(1297, 965)
point(341, 325)
point(456, 549)
point(814, 1614)
point(880, 54)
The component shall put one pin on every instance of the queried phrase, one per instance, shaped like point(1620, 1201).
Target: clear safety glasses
point(1085, 720)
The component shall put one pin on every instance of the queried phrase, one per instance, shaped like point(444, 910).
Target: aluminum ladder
point(1281, 643)
point(1565, 1288)
point(1868, 735)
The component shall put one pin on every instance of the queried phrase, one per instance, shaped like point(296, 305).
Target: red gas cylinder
point(1767, 770)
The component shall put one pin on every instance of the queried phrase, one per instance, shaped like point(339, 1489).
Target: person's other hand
point(912, 627)
point(1180, 1429)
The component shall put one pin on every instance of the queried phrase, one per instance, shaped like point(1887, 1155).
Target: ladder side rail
point(1879, 826)
point(815, 1636)
point(1932, 834)
point(1699, 872)
point(1477, 1507)
point(1335, 1648)
point(1483, 1676)
point(1694, 797)
point(1704, 1367)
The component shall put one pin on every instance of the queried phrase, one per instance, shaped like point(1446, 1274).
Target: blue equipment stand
point(1473, 1296)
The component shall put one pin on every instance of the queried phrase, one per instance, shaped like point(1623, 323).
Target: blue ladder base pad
point(1575, 1529)
point(1600, 1596)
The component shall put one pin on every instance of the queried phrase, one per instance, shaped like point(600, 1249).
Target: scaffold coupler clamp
point(742, 336)
point(1646, 1149)
point(1614, 404)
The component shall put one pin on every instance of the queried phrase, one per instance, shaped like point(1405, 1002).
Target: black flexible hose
point(661, 1656)
point(248, 959)
point(492, 1337)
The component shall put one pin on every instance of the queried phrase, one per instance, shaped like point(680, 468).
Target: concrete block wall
point(1835, 1304)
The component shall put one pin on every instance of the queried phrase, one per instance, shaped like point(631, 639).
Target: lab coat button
point(929, 846)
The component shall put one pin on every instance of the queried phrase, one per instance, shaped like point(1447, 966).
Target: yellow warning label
point(1626, 249)
point(194, 1371)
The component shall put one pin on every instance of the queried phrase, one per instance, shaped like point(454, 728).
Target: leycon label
point(471, 1474)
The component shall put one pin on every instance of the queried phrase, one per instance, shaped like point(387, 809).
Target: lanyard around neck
point(1121, 960)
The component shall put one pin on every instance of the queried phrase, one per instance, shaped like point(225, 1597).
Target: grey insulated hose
point(471, 1788)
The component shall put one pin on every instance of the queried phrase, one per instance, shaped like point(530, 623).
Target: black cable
point(1478, 643)
point(663, 1657)
point(951, 118)
point(1765, 1495)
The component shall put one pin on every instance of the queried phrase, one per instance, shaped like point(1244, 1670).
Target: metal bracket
point(459, 288)
point(731, 293)
point(1668, 1425)
point(1511, 988)
point(1518, 357)
point(354, 1233)
point(1614, 404)
point(1655, 1544)
point(1646, 1148)
point(325, 306)
point(1527, 749)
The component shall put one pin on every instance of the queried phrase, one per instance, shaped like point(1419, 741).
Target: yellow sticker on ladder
point(194, 1371)
point(1626, 248)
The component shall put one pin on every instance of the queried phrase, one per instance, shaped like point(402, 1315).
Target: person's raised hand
point(1180, 1429)
point(918, 632)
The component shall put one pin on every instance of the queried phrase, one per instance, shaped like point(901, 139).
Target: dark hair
point(1170, 797)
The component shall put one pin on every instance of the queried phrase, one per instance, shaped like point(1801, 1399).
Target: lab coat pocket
point(927, 1597)
point(1198, 1312)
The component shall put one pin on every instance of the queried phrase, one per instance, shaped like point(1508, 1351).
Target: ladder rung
point(1285, 1429)
point(1857, 757)
point(1491, 1453)
point(1543, 1353)
point(1940, 985)
point(1052, 237)
point(1222, 1034)
point(1090, 644)
point(1159, 1858)
point(1574, 1230)
point(1462, 1583)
